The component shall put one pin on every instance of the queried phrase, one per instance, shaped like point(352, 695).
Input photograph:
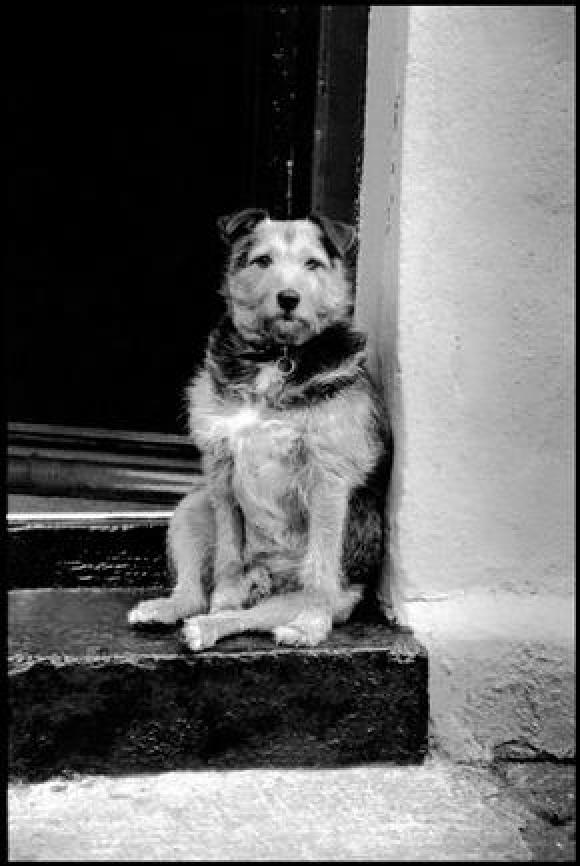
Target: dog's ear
point(243, 222)
point(337, 236)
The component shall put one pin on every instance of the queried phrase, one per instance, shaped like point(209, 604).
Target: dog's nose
point(288, 299)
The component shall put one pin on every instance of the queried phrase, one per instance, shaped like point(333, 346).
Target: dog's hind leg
point(299, 618)
point(314, 622)
point(229, 591)
point(190, 539)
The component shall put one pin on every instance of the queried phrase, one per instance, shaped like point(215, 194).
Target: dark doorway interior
point(123, 149)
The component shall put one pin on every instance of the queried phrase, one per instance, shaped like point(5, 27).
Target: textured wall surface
point(486, 298)
point(501, 675)
point(468, 299)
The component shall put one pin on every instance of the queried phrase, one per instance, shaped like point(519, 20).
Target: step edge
point(21, 663)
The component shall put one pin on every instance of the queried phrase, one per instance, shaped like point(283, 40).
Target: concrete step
point(89, 695)
point(74, 550)
point(380, 814)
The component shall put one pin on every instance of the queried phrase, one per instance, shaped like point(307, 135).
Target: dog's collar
point(232, 359)
point(282, 354)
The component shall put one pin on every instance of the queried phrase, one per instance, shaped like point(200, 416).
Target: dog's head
point(286, 279)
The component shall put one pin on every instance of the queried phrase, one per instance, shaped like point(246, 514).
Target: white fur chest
point(265, 453)
point(244, 429)
point(236, 424)
point(256, 436)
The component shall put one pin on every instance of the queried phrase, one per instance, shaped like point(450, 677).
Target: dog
point(285, 531)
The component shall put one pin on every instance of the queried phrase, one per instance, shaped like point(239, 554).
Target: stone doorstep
point(86, 551)
point(90, 695)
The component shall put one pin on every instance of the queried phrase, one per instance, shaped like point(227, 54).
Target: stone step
point(86, 551)
point(87, 694)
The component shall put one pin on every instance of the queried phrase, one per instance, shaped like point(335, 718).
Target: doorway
point(123, 149)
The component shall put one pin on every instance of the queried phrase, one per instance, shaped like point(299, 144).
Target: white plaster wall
point(468, 301)
point(486, 300)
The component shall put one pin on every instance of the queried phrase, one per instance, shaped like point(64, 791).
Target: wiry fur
point(285, 530)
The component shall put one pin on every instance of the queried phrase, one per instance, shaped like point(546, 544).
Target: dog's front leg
point(190, 542)
point(229, 592)
point(321, 572)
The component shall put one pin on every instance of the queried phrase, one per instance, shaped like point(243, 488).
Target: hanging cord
point(289, 183)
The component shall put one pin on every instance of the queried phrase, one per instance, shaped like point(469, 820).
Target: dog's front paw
point(309, 628)
point(156, 611)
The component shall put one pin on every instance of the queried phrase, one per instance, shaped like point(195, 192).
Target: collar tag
point(286, 364)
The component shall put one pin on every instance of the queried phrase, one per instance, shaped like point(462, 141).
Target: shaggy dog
point(286, 528)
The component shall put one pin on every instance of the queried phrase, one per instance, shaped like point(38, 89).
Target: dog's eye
point(313, 264)
point(262, 261)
